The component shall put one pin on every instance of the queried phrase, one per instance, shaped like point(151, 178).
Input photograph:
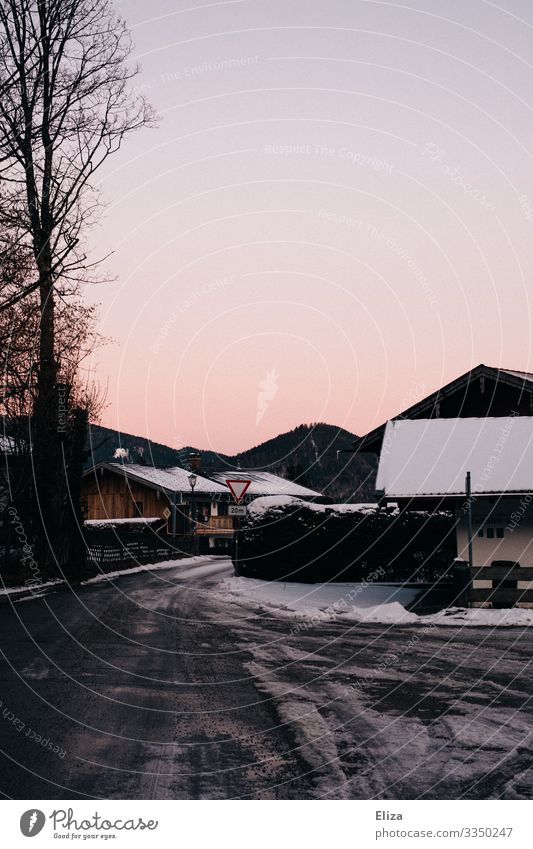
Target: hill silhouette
point(307, 454)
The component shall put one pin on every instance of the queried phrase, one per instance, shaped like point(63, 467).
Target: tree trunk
point(48, 466)
point(76, 569)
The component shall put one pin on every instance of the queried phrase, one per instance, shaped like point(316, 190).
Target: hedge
point(294, 540)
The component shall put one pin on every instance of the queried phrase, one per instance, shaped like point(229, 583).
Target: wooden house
point(130, 490)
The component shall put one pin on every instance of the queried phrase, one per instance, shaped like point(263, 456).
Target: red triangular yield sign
point(238, 487)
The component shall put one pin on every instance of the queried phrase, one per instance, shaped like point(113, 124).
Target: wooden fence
point(503, 577)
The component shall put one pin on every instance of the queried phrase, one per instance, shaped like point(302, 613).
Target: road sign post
point(237, 487)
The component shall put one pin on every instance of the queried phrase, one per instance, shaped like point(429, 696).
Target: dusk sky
point(333, 217)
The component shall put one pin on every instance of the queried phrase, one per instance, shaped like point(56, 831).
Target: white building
point(424, 462)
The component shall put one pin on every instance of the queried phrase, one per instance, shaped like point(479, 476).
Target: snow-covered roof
point(457, 388)
point(265, 483)
point(173, 479)
point(423, 457)
point(176, 479)
point(111, 523)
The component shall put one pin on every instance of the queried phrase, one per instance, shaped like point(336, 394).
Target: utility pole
point(468, 488)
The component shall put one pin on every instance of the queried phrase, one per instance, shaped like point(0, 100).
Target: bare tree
point(65, 107)
point(79, 400)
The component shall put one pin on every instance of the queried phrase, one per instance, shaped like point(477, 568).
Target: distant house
point(130, 490)
point(423, 465)
point(482, 391)
point(266, 483)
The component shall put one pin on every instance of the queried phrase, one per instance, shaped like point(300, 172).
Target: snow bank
point(383, 604)
point(105, 524)
point(347, 601)
point(27, 588)
point(35, 592)
point(150, 567)
point(483, 617)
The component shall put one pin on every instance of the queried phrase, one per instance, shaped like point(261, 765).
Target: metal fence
point(106, 550)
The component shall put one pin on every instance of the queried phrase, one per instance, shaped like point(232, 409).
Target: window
point(492, 533)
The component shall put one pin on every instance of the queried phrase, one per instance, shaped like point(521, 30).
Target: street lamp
point(192, 482)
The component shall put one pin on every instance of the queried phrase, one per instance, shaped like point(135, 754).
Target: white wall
point(514, 516)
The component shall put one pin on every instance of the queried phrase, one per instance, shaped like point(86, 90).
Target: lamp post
point(174, 517)
point(192, 482)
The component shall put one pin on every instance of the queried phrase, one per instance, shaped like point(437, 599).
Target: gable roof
point(266, 483)
point(430, 457)
point(173, 479)
point(520, 380)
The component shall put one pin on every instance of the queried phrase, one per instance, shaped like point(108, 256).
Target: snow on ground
point(198, 563)
point(353, 602)
point(481, 616)
point(183, 562)
point(401, 713)
point(9, 591)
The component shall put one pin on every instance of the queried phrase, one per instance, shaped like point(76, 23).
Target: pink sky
point(333, 218)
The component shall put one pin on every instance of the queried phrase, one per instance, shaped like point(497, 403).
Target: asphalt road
point(156, 687)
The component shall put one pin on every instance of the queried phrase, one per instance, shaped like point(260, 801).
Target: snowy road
point(160, 687)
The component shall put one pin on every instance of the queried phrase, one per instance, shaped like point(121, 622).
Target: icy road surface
point(162, 685)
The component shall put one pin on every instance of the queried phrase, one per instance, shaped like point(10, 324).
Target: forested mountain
point(307, 455)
